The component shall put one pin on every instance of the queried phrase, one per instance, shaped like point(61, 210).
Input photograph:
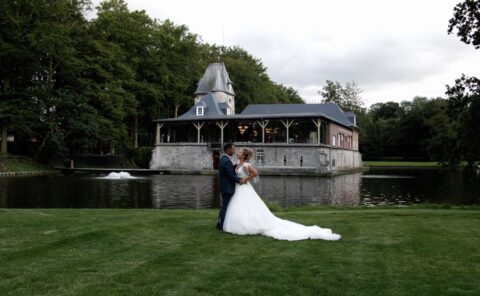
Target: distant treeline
point(70, 85)
point(419, 129)
point(436, 129)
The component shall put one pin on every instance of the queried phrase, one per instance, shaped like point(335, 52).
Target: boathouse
point(286, 138)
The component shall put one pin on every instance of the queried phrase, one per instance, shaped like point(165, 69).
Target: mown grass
point(20, 164)
point(401, 164)
point(384, 251)
point(428, 164)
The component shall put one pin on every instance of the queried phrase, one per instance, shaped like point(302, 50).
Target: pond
point(374, 187)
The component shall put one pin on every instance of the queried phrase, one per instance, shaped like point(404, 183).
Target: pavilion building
point(287, 138)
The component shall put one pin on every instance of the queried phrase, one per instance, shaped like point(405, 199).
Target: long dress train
point(248, 214)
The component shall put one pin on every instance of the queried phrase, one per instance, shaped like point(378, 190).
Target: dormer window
point(229, 111)
point(200, 110)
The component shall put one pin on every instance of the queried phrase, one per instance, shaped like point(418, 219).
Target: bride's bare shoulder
point(250, 166)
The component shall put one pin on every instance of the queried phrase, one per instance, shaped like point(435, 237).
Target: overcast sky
point(394, 50)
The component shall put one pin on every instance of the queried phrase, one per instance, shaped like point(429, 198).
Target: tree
point(380, 130)
point(386, 110)
point(466, 22)
point(464, 96)
point(443, 142)
point(347, 97)
point(409, 129)
point(39, 63)
point(17, 67)
point(464, 109)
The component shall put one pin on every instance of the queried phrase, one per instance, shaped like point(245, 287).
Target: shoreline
point(27, 173)
point(408, 164)
point(265, 171)
point(274, 207)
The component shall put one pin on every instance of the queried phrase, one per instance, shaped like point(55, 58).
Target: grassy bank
point(21, 164)
point(401, 164)
point(396, 251)
point(428, 164)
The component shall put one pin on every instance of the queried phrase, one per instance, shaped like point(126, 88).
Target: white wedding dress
point(248, 214)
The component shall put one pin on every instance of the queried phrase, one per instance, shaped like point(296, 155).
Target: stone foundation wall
point(322, 158)
point(191, 156)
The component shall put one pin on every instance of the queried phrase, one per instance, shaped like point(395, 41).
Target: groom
point(228, 178)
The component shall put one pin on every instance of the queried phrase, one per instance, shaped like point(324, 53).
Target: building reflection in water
point(171, 191)
point(296, 191)
point(184, 192)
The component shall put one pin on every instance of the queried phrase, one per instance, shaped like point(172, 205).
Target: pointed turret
point(215, 80)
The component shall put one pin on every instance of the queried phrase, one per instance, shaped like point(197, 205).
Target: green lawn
point(21, 164)
point(401, 164)
point(388, 163)
point(384, 251)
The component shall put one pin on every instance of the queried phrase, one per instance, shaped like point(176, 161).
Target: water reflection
point(290, 191)
point(407, 186)
point(171, 191)
point(376, 187)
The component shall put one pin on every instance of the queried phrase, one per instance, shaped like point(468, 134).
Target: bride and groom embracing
point(244, 212)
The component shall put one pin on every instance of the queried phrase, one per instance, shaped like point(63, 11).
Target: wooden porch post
point(287, 125)
point(318, 124)
point(263, 124)
point(198, 125)
point(157, 133)
point(222, 126)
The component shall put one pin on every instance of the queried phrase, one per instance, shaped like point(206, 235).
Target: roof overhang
point(251, 117)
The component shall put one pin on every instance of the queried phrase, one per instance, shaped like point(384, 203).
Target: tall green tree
point(466, 22)
point(464, 109)
point(109, 71)
point(346, 96)
point(39, 64)
point(464, 96)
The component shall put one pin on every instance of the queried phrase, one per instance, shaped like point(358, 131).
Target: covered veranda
point(289, 129)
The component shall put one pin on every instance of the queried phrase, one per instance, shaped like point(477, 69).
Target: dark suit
point(228, 178)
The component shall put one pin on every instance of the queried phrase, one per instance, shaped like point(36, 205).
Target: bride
point(248, 214)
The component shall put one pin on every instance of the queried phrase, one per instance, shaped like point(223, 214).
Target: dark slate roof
point(222, 106)
point(212, 109)
point(350, 116)
point(329, 110)
point(263, 112)
point(215, 78)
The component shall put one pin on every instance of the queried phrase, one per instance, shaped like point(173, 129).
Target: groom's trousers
point(223, 210)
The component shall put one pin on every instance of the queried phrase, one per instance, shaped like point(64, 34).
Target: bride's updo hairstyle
point(247, 154)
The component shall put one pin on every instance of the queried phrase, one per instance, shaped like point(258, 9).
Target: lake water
point(374, 187)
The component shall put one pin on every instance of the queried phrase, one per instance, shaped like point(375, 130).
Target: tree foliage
point(409, 129)
point(464, 110)
point(464, 96)
point(70, 85)
point(466, 22)
point(346, 96)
